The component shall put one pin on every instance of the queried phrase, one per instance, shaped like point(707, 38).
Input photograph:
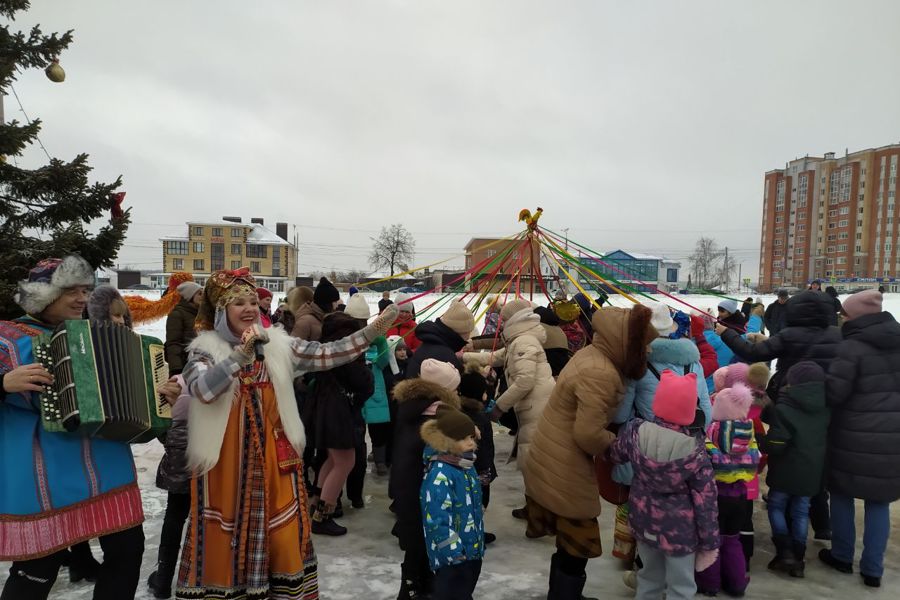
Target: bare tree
point(394, 247)
point(705, 263)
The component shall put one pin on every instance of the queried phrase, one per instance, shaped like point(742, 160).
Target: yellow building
point(230, 244)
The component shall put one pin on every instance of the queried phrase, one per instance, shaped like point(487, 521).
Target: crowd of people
point(673, 416)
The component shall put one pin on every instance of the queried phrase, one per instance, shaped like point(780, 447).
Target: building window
point(842, 248)
point(843, 235)
point(176, 247)
point(798, 251)
point(198, 231)
point(859, 223)
point(801, 227)
point(237, 232)
point(671, 275)
point(256, 251)
point(254, 266)
point(276, 254)
point(235, 264)
point(779, 242)
point(198, 264)
point(832, 213)
point(859, 248)
point(779, 230)
point(830, 249)
point(842, 223)
point(236, 249)
point(831, 237)
point(178, 264)
point(832, 225)
point(217, 232)
point(198, 246)
point(845, 210)
point(779, 219)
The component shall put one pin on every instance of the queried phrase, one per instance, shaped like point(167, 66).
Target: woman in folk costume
point(58, 489)
point(249, 529)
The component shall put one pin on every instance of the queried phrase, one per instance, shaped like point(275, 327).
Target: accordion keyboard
point(160, 375)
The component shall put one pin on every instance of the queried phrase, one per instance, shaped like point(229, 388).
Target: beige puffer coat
point(527, 372)
point(559, 467)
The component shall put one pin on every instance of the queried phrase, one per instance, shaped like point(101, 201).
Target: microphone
point(258, 349)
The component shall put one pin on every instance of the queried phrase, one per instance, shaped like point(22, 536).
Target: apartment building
point(516, 265)
point(833, 219)
point(231, 244)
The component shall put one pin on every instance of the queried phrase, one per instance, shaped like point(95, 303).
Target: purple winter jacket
point(672, 504)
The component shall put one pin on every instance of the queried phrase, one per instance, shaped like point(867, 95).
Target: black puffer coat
point(438, 342)
point(414, 396)
point(864, 395)
point(179, 333)
point(807, 336)
point(173, 474)
point(336, 399)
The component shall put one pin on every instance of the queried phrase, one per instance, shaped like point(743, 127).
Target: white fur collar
point(207, 422)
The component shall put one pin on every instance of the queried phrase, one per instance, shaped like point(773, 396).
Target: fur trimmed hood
point(438, 440)
point(47, 281)
point(100, 301)
point(681, 351)
point(410, 390)
point(624, 335)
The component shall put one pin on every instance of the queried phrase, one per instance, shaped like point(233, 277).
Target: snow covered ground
point(365, 563)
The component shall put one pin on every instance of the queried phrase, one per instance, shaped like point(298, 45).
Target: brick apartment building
point(833, 219)
point(230, 244)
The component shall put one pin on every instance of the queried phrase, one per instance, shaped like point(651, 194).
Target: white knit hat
point(403, 303)
point(357, 307)
point(662, 320)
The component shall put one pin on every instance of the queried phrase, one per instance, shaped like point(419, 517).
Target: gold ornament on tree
point(55, 72)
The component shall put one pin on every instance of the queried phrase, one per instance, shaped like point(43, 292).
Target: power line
point(22, 108)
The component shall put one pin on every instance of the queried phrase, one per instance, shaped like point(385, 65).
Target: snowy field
point(365, 563)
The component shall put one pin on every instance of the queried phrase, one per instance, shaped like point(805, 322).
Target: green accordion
point(106, 382)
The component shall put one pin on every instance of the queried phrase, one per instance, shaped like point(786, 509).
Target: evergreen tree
point(44, 211)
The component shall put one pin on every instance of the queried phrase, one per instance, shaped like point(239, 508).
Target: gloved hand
point(382, 323)
point(704, 559)
point(697, 326)
point(245, 353)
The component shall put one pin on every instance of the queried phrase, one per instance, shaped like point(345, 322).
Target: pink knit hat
point(442, 373)
point(675, 400)
point(863, 303)
point(755, 376)
point(719, 378)
point(732, 404)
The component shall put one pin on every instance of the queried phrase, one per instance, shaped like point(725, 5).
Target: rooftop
point(258, 234)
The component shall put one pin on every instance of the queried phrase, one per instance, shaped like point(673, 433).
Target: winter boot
point(800, 555)
point(380, 453)
point(323, 523)
point(838, 565)
point(709, 581)
point(160, 581)
point(564, 586)
point(784, 554)
point(734, 566)
point(82, 564)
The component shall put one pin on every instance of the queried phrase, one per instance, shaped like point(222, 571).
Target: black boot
point(160, 581)
point(800, 556)
point(323, 523)
point(838, 565)
point(412, 588)
point(564, 586)
point(380, 453)
point(784, 554)
point(82, 564)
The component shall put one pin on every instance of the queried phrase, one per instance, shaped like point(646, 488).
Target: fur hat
point(729, 306)
point(863, 303)
point(49, 278)
point(449, 427)
point(675, 399)
point(188, 289)
point(262, 292)
point(325, 295)
point(403, 303)
point(100, 303)
point(732, 404)
point(442, 373)
point(472, 384)
point(805, 371)
point(662, 320)
point(514, 306)
point(460, 319)
point(358, 308)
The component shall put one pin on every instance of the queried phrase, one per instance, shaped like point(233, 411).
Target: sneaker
point(871, 581)
point(838, 565)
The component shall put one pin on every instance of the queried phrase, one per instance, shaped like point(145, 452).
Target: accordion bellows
point(106, 380)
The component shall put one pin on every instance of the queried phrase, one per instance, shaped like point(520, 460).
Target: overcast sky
point(639, 125)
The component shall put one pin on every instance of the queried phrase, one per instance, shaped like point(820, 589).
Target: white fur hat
point(49, 278)
point(662, 320)
point(357, 307)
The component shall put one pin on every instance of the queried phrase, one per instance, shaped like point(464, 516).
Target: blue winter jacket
point(637, 402)
point(376, 408)
point(452, 514)
point(755, 324)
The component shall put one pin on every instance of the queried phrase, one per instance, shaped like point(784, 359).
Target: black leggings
point(380, 434)
point(177, 509)
point(570, 565)
point(117, 579)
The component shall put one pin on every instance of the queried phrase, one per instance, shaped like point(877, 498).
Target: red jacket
point(708, 359)
point(406, 330)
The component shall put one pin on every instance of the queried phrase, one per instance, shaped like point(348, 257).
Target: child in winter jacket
point(796, 445)
point(734, 455)
point(450, 498)
point(473, 397)
point(672, 501)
